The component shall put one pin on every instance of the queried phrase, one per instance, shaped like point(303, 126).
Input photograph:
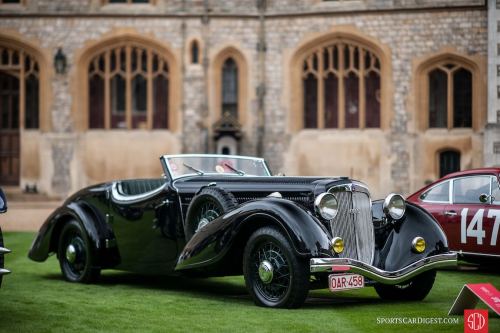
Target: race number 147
point(475, 227)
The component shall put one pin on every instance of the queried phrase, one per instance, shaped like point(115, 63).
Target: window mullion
point(321, 91)
point(362, 94)
point(341, 100)
point(450, 100)
point(128, 87)
point(22, 92)
point(107, 91)
point(149, 75)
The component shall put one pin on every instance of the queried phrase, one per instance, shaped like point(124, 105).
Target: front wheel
point(415, 289)
point(275, 277)
point(75, 256)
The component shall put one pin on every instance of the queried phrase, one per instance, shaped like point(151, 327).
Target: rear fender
point(94, 224)
point(230, 232)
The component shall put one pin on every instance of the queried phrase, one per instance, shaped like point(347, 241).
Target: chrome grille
point(354, 225)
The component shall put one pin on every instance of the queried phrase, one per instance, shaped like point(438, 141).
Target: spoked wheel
point(208, 212)
point(74, 254)
point(274, 276)
point(415, 289)
point(208, 205)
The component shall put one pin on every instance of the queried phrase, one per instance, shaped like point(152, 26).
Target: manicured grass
point(34, 298)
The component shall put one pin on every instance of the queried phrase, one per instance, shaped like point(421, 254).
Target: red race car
point(467, 206)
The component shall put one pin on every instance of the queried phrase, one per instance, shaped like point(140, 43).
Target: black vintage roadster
point(215, 215)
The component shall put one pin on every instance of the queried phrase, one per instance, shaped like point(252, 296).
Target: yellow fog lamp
point(337, 245)
point(418, 244)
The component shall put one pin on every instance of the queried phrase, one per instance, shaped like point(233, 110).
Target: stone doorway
point(9, 129)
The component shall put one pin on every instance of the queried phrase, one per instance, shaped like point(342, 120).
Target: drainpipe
point(205, 121)
point(261, 87)
point(183, 71)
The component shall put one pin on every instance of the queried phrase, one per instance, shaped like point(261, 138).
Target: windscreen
point(183, 165)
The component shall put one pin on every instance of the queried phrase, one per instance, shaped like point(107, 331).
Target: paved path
point(26, 216)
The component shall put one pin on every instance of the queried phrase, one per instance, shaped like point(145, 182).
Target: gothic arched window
point(195, 52)
point(230, 87)
point(128, 88)
point(450, 96)
point(341, 87)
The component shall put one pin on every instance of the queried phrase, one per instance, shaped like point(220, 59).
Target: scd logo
point(475, 321)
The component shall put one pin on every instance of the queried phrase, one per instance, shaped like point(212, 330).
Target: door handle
point(163, 203)
point(450, 213)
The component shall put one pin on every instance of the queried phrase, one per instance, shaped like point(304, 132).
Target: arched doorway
point(19, 107)
point(9, 129)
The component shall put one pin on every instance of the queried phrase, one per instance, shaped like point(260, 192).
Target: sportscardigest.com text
point(417, 321)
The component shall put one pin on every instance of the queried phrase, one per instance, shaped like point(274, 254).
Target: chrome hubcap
point(71, 253)
point(266, 271)
point(203, 222)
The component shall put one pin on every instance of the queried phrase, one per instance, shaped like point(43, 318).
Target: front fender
point(309, 238)
point(46, 241)
point(394, 242)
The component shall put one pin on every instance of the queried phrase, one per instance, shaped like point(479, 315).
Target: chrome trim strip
point(4, 271)
point(379, 275)
point(462, 253)
point(132, 199)
point(350, 187)
point(4, 250)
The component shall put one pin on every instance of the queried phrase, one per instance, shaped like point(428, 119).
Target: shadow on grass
point(221, 289)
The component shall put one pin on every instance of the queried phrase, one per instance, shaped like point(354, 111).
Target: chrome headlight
point(394, 206)
point(326, 205)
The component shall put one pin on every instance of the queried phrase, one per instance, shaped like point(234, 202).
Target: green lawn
point(34, 298)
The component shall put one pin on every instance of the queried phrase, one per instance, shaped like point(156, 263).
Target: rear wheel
point(274, 275)
point(415, 289)
point(75, 256)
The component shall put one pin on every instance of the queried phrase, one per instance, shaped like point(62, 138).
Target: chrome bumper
point(3, 251)
point(345, 265)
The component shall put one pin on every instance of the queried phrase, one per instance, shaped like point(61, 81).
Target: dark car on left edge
point(218, 215)
point(3, 250)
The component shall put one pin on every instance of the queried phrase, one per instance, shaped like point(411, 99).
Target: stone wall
point(407, 34)
point(231, 7)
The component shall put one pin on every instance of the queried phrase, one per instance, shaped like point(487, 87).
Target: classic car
point(467, 206)
point(3, 250)
point(218, 215)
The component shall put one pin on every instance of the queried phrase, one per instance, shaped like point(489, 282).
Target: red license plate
point(338, 282)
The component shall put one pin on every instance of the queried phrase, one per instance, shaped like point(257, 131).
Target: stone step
point(15, 193)
point(27, 215)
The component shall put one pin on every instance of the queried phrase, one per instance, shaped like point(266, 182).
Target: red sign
point(475, 321)
point(488, 294)
point(471, 293)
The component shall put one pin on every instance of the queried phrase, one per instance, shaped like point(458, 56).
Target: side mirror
point(3, 202)
point(485, 198)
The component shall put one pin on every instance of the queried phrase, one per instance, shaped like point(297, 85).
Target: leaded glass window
point(128, 89)
point(341, 87)
point(450, 96)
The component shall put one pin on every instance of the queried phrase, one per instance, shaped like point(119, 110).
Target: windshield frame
point(166, 165)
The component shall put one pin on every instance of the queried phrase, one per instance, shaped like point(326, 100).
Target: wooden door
point(9, 129)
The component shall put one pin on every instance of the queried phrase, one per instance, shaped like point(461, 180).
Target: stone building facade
point(371, 89)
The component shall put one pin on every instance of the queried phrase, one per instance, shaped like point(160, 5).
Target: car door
point(141, 227)
point(470, 223)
